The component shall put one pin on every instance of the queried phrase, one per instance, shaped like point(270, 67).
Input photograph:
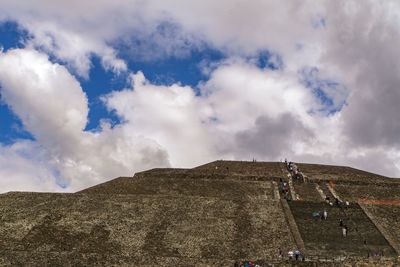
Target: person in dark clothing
point(297, 255)
point(280, 253)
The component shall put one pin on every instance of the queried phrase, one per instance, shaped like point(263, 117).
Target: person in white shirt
point(290, 254)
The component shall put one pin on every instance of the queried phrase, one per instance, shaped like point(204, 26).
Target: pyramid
point(212, 215)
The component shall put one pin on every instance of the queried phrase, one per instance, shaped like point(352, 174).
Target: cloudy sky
point(93, 90)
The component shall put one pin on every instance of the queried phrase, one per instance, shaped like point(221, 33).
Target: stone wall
point(164, 229)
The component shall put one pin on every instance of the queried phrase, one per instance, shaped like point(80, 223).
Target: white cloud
point(72, 34)
point(364, 53)
point(53, 107)
point(23, 168)
point(239, 92)
point(242, 112)
point(45, 96)
point(171, 115)
point(240, 105)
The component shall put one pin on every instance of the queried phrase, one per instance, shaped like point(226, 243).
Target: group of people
point(376, 254)
point(320, 215)
point(294, 171)
point(284, 189)
point(341, 204)
point(323, 215)
point(246, 264)
point(338, 202)
point(292, 255)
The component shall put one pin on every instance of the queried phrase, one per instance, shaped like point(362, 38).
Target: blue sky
point(185, 70)
point(183, 84)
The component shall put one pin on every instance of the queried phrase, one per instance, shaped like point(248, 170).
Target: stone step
point(325, 237)
point(327, 192)
point(307, 191)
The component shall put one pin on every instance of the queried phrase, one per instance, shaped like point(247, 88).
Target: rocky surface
point(342, 174)
point(324, 237)
point(212, 215)
point(387, 217)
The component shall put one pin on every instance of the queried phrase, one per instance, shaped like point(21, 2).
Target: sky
point(94, 90)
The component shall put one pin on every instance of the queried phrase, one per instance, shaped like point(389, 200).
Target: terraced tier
point(307, 191)
point(317, 172)
point(142, 228)
point(185, 186)
point(266, 169)
point(325, 189)
point(387, 218)
point(324, 237)
point(356, 192)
